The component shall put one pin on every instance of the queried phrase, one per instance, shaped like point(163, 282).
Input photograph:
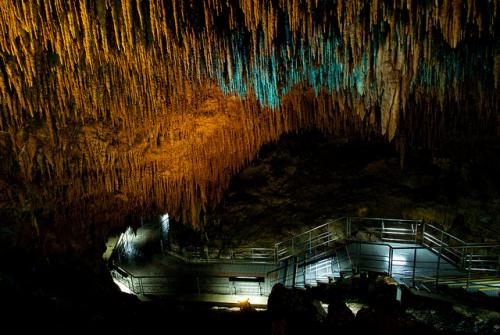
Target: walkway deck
point(307, 259)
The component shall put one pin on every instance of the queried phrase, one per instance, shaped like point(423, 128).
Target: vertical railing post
point(161, 235)
point(305, 275)
point(132, 281)
point(469, 268)
point(295, 269)
point(414, 265)
point(423, 234)
point(438, 265)
point(391, 257)
point(338, 263)
point(310, 242)
point(285, 274)
point(141, 287)
point(382, 231)
point(358, 255)
point(463, 260)
point(304, 271)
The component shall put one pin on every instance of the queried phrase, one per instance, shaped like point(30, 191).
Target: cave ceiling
point(127, 107)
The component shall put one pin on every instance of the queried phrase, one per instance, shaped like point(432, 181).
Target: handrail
point(389, 229)
point(309, 241)
point(386, 219)
point(316, 243)
point(114, 251)
point(445, 233)
point(309, 231)
point(423, 247)
point(474, 263)
point(233, 255)
point(198, 284)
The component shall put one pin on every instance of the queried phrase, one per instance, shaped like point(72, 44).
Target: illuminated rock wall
point(151, 106)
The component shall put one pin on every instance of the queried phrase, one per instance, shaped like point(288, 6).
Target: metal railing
point(317, 239)
point(476, 257)
point(440, 241)
point(481, 258)
point(453, 256)
point(287, 273)
point(309, 270)
point(404, 263)
point(313, 241)
point(393, 230)
point(178, 285)
point(229, 255)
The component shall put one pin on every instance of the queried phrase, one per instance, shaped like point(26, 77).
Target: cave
point(250, 166)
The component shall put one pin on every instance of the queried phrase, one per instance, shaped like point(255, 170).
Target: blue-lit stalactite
point(325, 62)
point(395, 68)
point(270, 77)
point(262, 49)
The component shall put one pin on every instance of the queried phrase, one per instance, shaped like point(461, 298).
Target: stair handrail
point(296, 240)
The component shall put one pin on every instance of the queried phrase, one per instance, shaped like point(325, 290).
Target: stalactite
point(162, 101)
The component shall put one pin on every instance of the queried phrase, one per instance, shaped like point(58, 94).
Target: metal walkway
point(415, 254)
point(142, 266)
point(166, 276)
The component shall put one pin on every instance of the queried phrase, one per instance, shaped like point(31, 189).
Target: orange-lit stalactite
point(154, 105)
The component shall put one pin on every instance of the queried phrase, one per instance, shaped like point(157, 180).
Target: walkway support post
point(295, 268)
point(391, 258)
point(358, 256)
point(304, 275)
point(133, 286)
point(382, 231)
point(438, 264)
point(310, 242)
point(285, 274)
point(423, 234)
point(463, 260)
point(468, 272)
point(141, 287)
point(414, 265)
